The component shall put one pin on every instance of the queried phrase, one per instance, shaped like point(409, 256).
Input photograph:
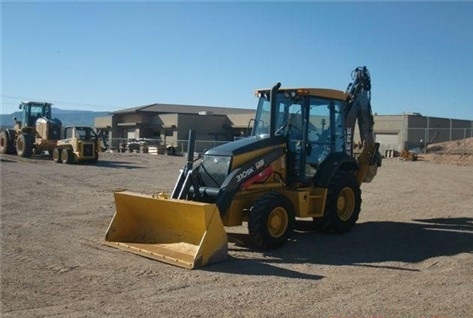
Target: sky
point(106, 56)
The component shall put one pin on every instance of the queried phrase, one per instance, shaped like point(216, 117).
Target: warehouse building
point(168, 124)
point(396, 133)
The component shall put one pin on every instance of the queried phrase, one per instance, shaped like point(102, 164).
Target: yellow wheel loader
point(35, 133)
point(297, 162)
point(80, 144)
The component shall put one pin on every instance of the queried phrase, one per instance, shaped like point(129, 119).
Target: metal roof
point(184, 109)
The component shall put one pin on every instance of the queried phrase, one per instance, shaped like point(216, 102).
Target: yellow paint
point(183, 233)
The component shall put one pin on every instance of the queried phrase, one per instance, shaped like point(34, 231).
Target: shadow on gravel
point(374, 242)
point(257, 267)
point(5, 160)
point(366, 245)
point(33, 158)
point(100, 163)
point(116, 164)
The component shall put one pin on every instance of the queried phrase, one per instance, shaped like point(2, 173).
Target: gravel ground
point(410, 255)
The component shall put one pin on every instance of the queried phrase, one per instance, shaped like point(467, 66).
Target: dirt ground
point(410, 255)
point(458, 152)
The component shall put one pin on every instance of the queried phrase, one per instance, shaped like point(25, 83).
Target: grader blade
point(183, 233)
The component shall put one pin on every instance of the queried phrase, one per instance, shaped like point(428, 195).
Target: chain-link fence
point(440, 140)
point(421, 140)
point(143, 145)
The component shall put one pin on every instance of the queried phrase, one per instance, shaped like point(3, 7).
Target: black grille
point(214, 170)
point(54, 132)
point(88, 150)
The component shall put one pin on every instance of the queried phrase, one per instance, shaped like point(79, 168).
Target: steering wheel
point(289, 130)
point(280, 130)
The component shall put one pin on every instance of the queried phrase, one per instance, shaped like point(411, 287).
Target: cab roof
point(319, 92)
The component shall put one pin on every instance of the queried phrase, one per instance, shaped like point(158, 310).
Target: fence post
point(425, 140)
point(451, 128)
point(464, 141)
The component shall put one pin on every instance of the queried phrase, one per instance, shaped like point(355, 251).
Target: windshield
point(261, 125)
point(34, 111)
point(288, 115)
point(82, 133)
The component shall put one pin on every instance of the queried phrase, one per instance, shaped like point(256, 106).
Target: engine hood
point(245, 145)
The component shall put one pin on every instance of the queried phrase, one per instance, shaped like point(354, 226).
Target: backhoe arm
point(359, 106)
point(359, 109)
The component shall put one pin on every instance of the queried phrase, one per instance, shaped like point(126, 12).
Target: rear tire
point(6, 144)
point(57, 155)
point(24, 145)
point(67, 156)
point(271, 221)
point(343, 204)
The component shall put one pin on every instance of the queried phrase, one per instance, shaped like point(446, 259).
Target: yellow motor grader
point(297, 162)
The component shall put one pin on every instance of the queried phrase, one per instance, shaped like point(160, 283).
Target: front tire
point(343, 204)
point(271, 221)
point(24, 145)
point(57, 155)
point(67, 156)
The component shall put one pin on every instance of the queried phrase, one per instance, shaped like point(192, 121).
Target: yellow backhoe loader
point(297, 162)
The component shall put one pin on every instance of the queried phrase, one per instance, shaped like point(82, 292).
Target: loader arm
point(189, 187)
point(240, 176)
point(102, 138)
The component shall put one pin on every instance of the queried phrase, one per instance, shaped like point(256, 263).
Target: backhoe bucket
point(182, 233)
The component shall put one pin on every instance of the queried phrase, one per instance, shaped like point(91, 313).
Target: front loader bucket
point(183, 233)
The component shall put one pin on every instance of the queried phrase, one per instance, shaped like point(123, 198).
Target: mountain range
point(67, 117)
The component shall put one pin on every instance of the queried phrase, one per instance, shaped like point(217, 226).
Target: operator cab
point(32, 111)
point(312, 121)
point(81, 133)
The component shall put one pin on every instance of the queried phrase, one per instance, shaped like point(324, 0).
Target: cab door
point(325, 131)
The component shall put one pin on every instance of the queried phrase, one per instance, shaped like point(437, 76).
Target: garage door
point(387, 142)
point(387, 139)
point(130, 134)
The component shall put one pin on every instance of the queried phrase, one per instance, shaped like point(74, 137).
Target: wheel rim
point(277, 222)
point(64, 156)
point(345, 204)
point(20, 145)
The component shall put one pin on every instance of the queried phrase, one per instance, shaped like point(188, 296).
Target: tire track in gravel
point(54, 267)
